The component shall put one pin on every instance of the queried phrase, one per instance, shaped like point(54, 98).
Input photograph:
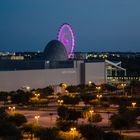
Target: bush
point(17, 119)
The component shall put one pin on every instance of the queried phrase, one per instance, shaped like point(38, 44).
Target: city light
point(133, 104)
point(98, 88)
point(28, 88)
point(60, 102)
point(12, 109)
point(91, 111)
point(99, 96)
point(37, 118)
point(73, 130)
point(89, 83)
point(64, 86)
point(37, 95)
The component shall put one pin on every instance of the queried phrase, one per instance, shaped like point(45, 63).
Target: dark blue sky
point(99, 25)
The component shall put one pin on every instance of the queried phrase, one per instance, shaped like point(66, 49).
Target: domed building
point(55, 51)
point(54, 68)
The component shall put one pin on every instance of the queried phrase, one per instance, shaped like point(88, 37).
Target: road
point(47, 120)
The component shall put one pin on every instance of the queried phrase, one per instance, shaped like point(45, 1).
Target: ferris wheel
point(66, 36)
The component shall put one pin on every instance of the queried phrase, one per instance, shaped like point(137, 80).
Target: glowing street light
point(98, 88)
point(73, 130)
point(91, 112)
point(123, 85)
point(89, 83)
point(12, 109)
point(99, 96)
point(60, 102)
point(133, 104)
point(37, 118)
point(37, 95)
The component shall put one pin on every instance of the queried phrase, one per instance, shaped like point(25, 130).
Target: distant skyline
point(99, 25)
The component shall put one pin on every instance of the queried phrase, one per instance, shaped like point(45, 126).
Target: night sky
point(99, 25)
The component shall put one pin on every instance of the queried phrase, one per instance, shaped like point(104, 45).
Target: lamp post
point(12, 109)
point(37, 118)
point(123, 85)
point(91, 113)
point(60, 102)
point(37, 95)
point(133, 104)
point(99, 96)
point(98, 88)
point(89, 83)
point(73, 130)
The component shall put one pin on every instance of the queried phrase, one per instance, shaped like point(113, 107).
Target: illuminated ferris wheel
point(66, 36)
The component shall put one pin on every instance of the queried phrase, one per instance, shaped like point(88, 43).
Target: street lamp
point(123, 85)
point(89, 83)
point(12, 109)
point(99, 96)
point(37, 95)
point(133, 104)
point(98, 88)
point(73, 130)
point(37, 118)
point(91, 113)
point(60, 102)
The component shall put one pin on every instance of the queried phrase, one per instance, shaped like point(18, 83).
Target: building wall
point(13, 80)
point(81, 73)
point(95, 72)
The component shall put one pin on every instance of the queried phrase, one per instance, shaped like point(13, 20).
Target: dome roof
point(55, 51)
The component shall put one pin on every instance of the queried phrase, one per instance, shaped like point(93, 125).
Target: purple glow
point(66, 36)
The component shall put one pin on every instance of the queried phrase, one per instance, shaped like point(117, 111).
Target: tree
point(69, 135)
point(62, 112)
point(17, 119)
point(44, 92)
point(3, 114)
point(9, 132)
point(68, 114)
point(70, 99)
point(109, 87)
point(91, 132)
point(87, 97)
point(72, 89)
point(47, 133)
point(91, 116)
point(64, 125)
point(21, 97)
point(133, 88)
point(95, 118)
point(3, 96)
point(30, 129)
point(119, 122)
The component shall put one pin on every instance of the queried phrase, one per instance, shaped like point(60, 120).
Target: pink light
point(66, 36)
